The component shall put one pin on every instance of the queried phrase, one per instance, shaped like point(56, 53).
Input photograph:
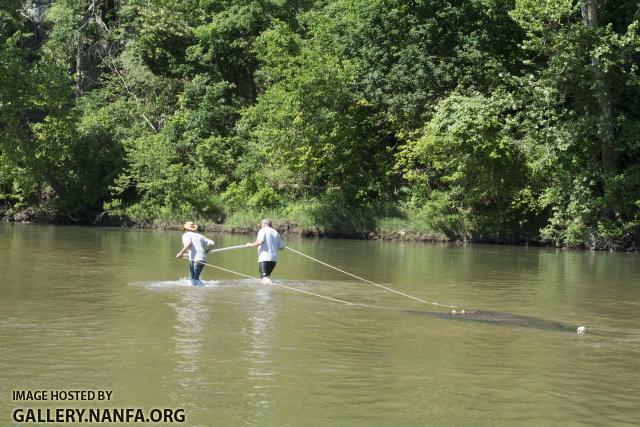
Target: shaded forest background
point(484, 120)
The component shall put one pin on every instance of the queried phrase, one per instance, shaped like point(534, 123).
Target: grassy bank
point(356, 228)
point(311, 220)
point(301, 220)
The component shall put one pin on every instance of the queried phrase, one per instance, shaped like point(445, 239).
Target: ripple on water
point(184, 283)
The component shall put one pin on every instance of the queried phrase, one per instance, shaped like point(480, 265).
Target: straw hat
point(190, 226)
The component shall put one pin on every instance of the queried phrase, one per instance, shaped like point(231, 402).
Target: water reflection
point(261, 370)
point(206, 339)
point(192, 316)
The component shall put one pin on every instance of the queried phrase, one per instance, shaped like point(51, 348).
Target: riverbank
point(246, 223)
point(296, 224)
point(341, 224)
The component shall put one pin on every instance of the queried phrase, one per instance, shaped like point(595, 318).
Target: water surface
point(98, 308)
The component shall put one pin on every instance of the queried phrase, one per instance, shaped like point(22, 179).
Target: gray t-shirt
point(199, 243)
point(271, 242)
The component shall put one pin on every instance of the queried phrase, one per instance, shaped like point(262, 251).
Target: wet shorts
point(266, 267)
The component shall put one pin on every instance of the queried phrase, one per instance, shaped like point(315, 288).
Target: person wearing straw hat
point(269, 242)
point(198, 246)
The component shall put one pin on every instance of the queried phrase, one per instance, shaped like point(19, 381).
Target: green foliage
point(467, 166)
point(579, 102)
point(14, 70)
point(312, 130)
point(412, 54)
point(493, 120)
point(166, 29)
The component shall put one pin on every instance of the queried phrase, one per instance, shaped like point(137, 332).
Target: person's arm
point(259, 240)
point(184, 249)
point(281, 244)
point(210, 244)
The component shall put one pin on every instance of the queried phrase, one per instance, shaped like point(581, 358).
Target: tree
point(582, 84)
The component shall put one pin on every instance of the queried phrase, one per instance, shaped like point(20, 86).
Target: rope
point(318, 295)
point(282, 286)
point(370, 282)
point(228, 248)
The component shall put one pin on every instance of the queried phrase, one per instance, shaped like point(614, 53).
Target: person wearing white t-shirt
point(269, 242)
point(198, 246)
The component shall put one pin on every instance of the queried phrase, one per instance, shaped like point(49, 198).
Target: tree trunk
point(86, 71)
point(80, 63)
point(589, 10)
point(79, 69)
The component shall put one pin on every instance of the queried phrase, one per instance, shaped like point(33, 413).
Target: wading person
point(269, 242)
point(198, 246)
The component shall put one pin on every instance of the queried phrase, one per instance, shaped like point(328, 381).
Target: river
point(94, 309)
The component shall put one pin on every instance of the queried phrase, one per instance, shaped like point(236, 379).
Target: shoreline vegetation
point(390, 229)
point(248, 223)
point(505, 121)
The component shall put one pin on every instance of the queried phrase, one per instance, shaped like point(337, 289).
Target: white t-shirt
point(271, 242)
point(198, 248)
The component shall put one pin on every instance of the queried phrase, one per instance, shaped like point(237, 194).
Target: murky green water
point(102, 309)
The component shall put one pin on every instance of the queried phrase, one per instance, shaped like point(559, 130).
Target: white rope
point(278, 284)
point(318, 295)
point(228, 248)
point(369, 281)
